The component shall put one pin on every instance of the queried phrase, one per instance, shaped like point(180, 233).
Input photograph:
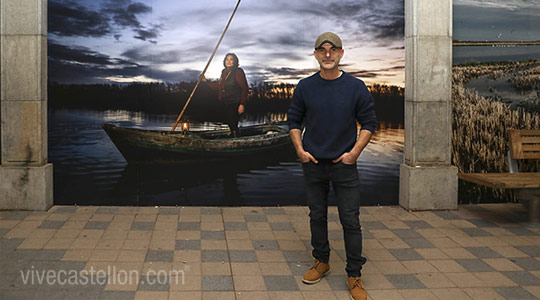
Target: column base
point(26, 187)
point(428, 188)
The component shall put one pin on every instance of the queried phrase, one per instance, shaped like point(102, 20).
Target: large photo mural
point(496, 87)
point(133, 64)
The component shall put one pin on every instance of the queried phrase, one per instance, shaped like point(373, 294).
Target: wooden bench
point(524, 144)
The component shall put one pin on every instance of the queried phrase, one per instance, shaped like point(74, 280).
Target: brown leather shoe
point(318, 271)
point(356, 289)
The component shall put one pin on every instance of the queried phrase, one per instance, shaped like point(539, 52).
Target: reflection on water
point(88, 169)
point(463, 54)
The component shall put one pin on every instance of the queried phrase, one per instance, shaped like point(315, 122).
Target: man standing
point(330, 103)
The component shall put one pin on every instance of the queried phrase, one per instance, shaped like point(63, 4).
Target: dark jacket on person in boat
point(232, 86)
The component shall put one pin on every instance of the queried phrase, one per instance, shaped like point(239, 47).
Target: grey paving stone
point(143, 225)
point(364, 211)
point(10, 243)
point(255, 218)
point(418, 243)
point(159, 255)
point(212, 235)
point(189, 226)
point(12, 266)
point(297, 256)
point(367, 235)
point(18, 294)
point(282, 226)
point(475, 265)
point(405, 254)
point(90, 292)
point(522, 278)
point(51, 224)
point(514, 293)
point(335, 234)
point(418, 224)
point(265, 245)
point(338, 282)
point(373, 225)
point(214, 255)
point(474, 232)
point(483, 252)
point(235, 226)
point(481, 223)
point(117, 295)
point(242, 256)
point(210, 211)
point(65, 210)
point(153, 283)
point(97, 225)
point(299, 268)
point(274, 211)
point(407, 233)
point(7, 280)
point(446, 215)
point(280, 283)
point(169, 211)
point(520, 231)
point(69, 265)
point(14, 215)
point(333, 217)
point(217, 283)
point(405, 281)
point(43, 254)
point(527, 263)
point(533, 251)
point(107, 210)
point(341, 253)
point(188, 245)
point(3, 232)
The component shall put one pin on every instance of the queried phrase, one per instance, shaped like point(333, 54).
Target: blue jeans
point(344, 179)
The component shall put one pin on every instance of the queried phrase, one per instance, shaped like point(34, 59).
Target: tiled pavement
point(477, 252)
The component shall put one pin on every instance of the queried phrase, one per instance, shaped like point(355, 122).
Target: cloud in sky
point(168, 40)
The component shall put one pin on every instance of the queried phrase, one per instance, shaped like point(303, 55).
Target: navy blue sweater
point(329, 110)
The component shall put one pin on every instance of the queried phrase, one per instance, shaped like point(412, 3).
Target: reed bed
point(479, 141)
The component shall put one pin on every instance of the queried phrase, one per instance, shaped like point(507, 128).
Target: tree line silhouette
point(169, 98)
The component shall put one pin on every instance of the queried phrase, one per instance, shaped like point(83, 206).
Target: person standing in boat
point(232, 91)
point(330, 103)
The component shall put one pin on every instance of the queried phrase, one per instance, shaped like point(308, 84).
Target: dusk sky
point(163, 40)
point(107, 41)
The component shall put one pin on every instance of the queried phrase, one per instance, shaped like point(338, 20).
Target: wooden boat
point(141, 145)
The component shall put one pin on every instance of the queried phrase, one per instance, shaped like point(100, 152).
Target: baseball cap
point(329, 37)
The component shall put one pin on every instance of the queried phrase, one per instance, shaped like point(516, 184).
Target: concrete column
point(25, 175)
point(427, 178)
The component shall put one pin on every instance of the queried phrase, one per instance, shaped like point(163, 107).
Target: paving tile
point(212, 235)
point(527, 263)
point(117, 295)
point(522, 278)
point(418, 242)
point(96, 225)
point(369, 225)
point(450, 294)
point(249, 283)
point(188, 245)
point(217, 283)
point(406, 233)
point(514, 293)
point(265, 245)
point(214, 255)
point(51, 224)
point(475, 265)
point(405, 254)
point(483, 252)
point(502, 264)
point(435, 280)
point(335, 234)
point(274, 211)
point(189, 226)
point(154, 283)
point(297, 256)
point(169, 211)
point(418, 224)
point(159, 256)
point(65, 210)
point(520, 231)
point(242, 255)
point(142, 226)
point(446, 215)
point(475, 232)
point(419, 266)
point(483, 293)
point(533, 251)
point(418, 294)
point(405, 281)
point(281, 226)
point(280, 283)
point(300, 268)
point(235, 226)
point(255, 218)
point(481, 223)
